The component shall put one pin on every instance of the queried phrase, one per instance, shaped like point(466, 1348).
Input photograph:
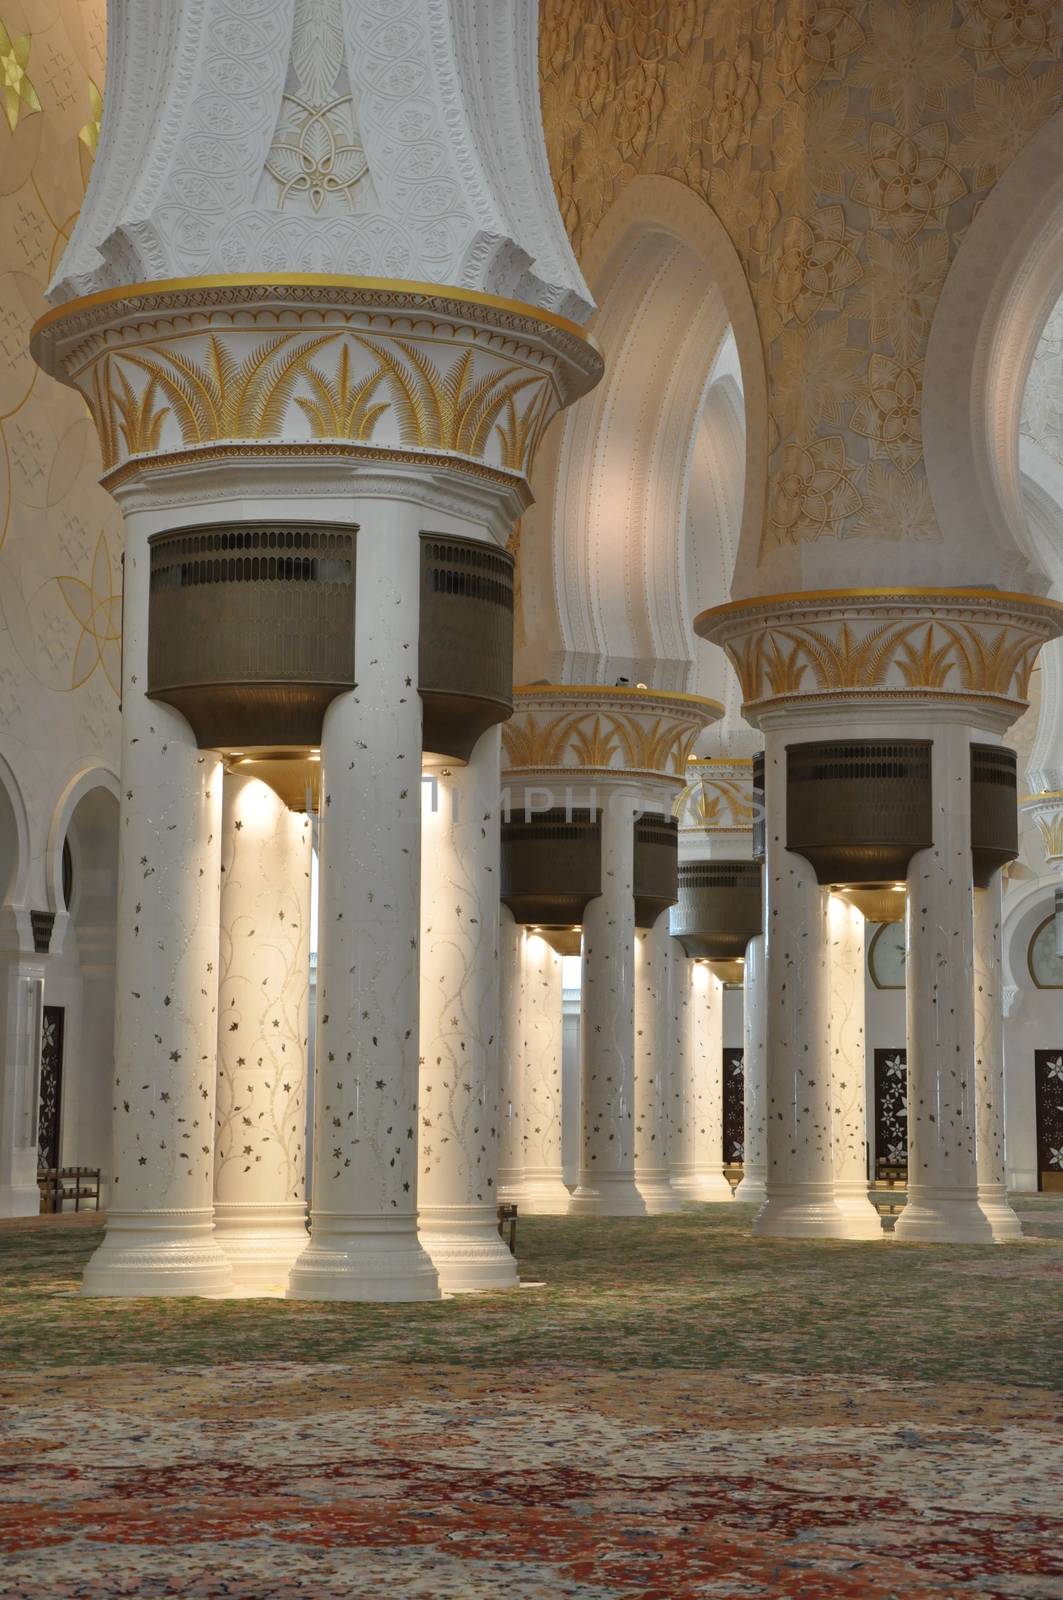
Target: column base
point(996, 1207)
point(606, 1197)
point(752, 1189)
point(19, 1200)
point(942, 1217)
point(808, 1212)
point(363, 1258)
point(658, 1193)
point(543, 1194)
point(854, 1204)
point(158, 1253)
point(262, 1244)
point(466, 1250)
point(703, 1187)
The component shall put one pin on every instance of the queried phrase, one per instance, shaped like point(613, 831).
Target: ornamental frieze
point(1046, 809)
point(942, 644)
point(169, 371)
point(717, 796)
point(596, 729)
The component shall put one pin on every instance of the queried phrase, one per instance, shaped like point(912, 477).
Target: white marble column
point(511, 941)
point(942, 1160)
point(654, 1066)
point(542, 1187)
point(606, 1185)
point(21, 1002)
point(460, 859)
point(849, 1070)
point(698, 1175)
point(752, 1188)
point(800, 1188)
point(263, 1015)
point(989, 1063)
point(364, 1243)
point(160, 1222)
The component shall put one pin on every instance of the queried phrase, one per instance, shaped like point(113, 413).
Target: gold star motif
point(19, 93)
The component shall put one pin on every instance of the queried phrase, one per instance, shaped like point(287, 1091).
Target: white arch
point(16, 888)
point(669, 286)
point(1002, 286)
point(93, 775)
point(1024, 910)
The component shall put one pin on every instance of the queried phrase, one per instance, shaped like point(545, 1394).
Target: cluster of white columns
point(814, 964)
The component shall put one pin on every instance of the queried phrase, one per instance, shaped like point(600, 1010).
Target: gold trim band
point(311, 280)
point(598, 691)
point(779, 602)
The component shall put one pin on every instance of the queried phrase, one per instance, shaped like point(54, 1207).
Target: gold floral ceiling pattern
point(846, 148)
point(60, 535)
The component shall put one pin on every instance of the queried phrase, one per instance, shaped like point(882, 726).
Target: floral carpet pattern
point(679, 1411)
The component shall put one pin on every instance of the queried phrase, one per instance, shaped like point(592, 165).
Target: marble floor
point(678, 1412)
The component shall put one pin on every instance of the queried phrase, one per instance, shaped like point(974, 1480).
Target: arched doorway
point(80, 977)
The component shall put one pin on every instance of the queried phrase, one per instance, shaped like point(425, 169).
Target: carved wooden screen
point(1048, 1091)
point(48, 1125)
point(891, 1110)
point(733, 1108)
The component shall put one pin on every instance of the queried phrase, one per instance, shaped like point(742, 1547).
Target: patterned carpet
point(681, 1412)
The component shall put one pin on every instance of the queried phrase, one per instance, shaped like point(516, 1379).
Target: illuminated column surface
point(989, 1063)
point(542, 1187)
point(263, 1014)
point(511, 939)
point(752, 1189)
point(459, 1091)
point(848, 1070)
point(654, 1065)
point(698, 1174)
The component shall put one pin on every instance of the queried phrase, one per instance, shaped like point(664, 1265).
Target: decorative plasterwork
point(388, 369)
point(717, 797)
point(590, 730)
point(1046, 810)
point(845, 148)
point(395, 138)
point(884, 645)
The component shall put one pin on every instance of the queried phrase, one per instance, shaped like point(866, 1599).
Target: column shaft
point(21, 1000)
point(263, 1015)
point(989, 1063)
point(542, 1189)
point(606, 1185)
point(800, 1182)
point(942, 1162)
point(700, 1173)
point(752, 1189)
point(654, 1065)
point(511, 939)
point(364, 1243)
point(160, 1224)
point(849, 1069)
point(460, 855)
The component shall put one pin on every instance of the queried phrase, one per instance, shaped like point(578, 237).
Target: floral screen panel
point(1048, 1092)
point(733, 1108)
point(48, 1123)
point(891, 1111)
